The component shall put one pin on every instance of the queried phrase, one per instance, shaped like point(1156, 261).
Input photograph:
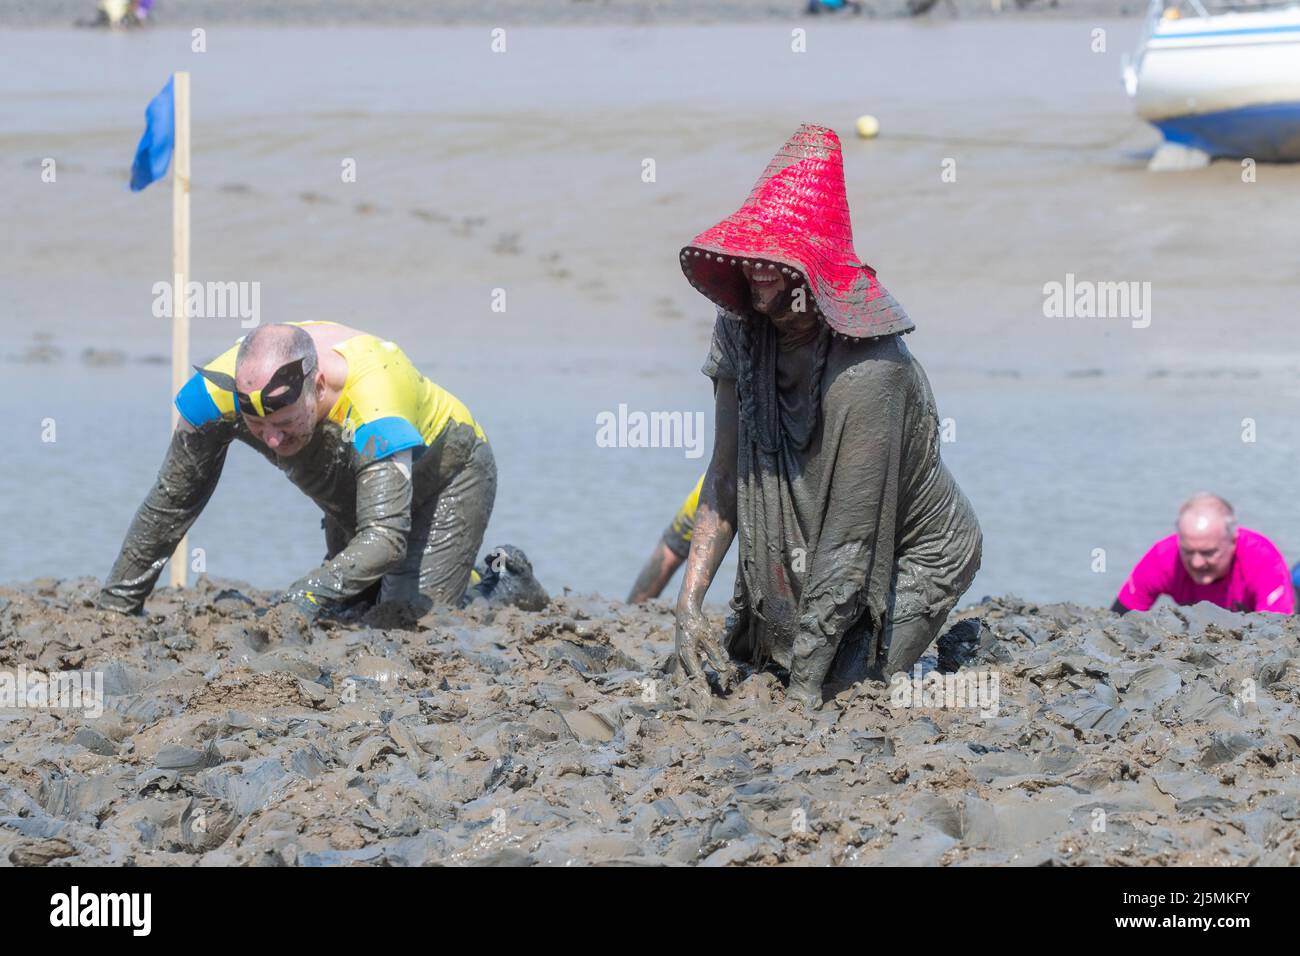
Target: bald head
point(1205, 512)
point(267, 348)
point(289, 428)
point(1207, 537)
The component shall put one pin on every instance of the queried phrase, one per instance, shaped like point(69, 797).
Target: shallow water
point(522, 171)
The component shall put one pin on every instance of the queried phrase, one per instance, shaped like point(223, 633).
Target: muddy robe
point(420, 536)
point(853, 534)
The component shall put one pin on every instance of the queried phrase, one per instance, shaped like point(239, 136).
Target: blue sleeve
point(386, 436)
point(195, 404)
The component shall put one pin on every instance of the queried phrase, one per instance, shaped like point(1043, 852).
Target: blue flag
point(154, 153)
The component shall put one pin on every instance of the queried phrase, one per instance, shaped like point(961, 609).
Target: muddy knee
point(906, 641)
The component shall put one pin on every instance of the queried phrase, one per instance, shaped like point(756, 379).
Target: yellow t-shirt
point(684, 520)
point(677, 536)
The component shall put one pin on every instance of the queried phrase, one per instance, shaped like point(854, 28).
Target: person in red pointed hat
point(855, 540)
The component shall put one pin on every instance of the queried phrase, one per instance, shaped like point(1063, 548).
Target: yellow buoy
point(868, 127)
point(114, 10)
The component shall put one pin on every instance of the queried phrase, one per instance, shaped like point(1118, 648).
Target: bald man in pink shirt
point(1210, 559)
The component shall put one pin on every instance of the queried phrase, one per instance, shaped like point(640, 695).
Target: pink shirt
point(1258, 580)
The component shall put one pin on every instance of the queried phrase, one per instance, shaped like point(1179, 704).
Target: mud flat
point(234, 735)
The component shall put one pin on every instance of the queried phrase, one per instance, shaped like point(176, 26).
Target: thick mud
point(234, 735)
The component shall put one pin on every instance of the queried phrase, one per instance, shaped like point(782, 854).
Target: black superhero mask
point(289, 376)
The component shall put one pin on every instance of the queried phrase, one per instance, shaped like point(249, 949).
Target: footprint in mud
point(102, 357)
point(551, 263)
point(1220, 372)
point(43, 352)
point(507, 244)
point(597, 290)
point(430, 215)
point(467, 225)
point(314, 198)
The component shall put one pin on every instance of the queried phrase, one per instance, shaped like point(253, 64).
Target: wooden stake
point(180, 273)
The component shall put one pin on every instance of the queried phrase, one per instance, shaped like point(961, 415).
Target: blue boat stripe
point(1241, 31)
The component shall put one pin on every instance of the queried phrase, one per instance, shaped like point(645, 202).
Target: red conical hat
point(797, 217)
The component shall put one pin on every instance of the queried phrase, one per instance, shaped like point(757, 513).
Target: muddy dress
point(855, 541)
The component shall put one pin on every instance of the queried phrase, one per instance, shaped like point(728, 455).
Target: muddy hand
point(105, 600)
point(697, 643)
point(303, 600)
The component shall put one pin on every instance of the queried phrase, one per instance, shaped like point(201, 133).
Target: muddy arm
point(188, 476)
point(715, 519)
point(383, 523)
point(715, 529)
point(655, 575)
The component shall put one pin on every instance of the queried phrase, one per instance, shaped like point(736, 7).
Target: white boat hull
point(1228, 85)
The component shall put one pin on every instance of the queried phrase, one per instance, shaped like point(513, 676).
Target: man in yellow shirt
point(404, 475)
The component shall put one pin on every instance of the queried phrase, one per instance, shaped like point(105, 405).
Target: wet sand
point(518, 172)
point(232, 735)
